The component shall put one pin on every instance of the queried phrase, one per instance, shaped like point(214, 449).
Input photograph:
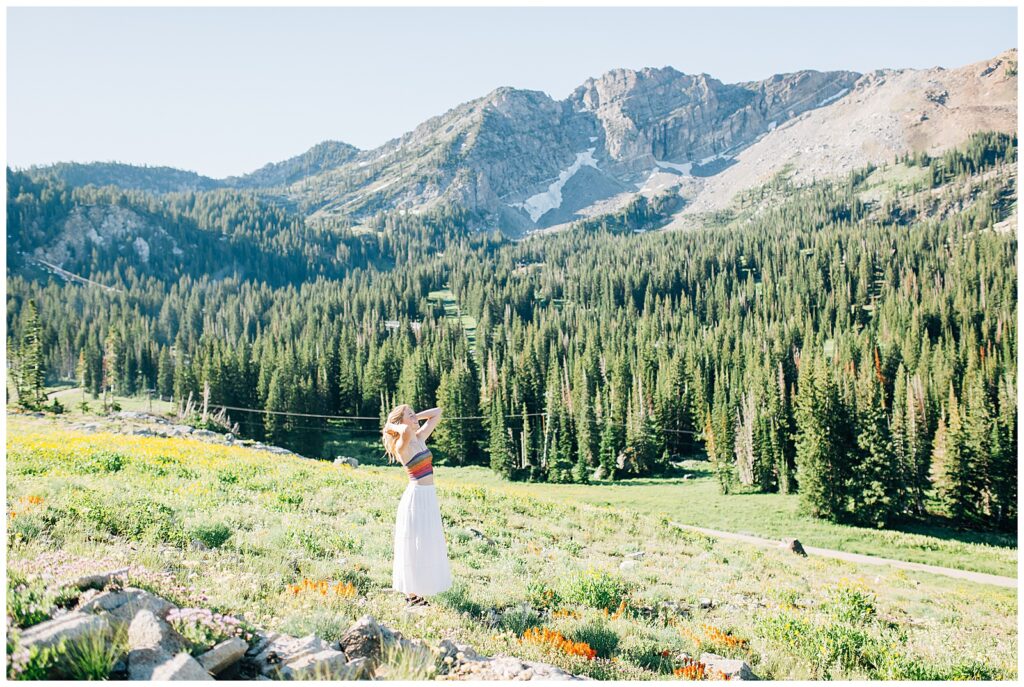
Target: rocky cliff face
point(526, 161)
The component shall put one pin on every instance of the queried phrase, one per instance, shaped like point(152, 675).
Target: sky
point(224, 91)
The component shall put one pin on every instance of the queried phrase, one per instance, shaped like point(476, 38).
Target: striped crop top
point(420, 465)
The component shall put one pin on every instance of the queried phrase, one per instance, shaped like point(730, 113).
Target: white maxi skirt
point(421, 552)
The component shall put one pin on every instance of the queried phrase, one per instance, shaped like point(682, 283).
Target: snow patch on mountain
point(829, 99)
point(537, 204)
point(683, 168)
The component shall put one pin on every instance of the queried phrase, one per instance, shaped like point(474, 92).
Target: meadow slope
point(229, 528)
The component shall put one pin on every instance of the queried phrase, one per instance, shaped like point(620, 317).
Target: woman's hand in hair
point(395, 429)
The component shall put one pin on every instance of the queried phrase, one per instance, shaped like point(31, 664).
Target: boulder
point(599, 473)
point(147, 631)
point(178, 667)
point(627, 565)
point(732, 668)
point(282, 655)
point(223, 655)
point(204, 433)
point(123, 605)
point(366, 639)
point(793, 545)
point(68, 627)
point(502, 667)
point(99, 581)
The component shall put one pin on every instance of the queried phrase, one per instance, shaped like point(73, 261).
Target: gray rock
point(204, 433)
point(100, 580)
point(282, 653)
point(148, 632)
point(157, 665)
point(326, 664)
point(627, 565)
point(68, 627)
point(732, 668)
point(223, 655)
point(793, 545)
point(502, 667)
point(123, 605)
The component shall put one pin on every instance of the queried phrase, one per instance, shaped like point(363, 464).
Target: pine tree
point(501, 450)
point(877, 494)
point(165, 374)
point(31, 363)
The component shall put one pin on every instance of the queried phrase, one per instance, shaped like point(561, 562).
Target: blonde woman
point(421, 552)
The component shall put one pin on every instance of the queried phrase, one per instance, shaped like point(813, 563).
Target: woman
point(421, 552)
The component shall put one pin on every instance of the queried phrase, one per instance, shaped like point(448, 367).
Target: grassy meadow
point(246, 532)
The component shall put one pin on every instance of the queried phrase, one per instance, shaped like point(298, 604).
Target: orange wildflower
point(544, 636)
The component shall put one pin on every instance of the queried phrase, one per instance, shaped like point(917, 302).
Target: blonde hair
point(393, 437)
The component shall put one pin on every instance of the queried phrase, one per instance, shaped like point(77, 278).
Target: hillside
point(637, 591)
point(886, 113)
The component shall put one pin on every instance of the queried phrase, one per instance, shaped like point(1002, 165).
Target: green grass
point(71, 398)
point(78, 509)
point(697, 501)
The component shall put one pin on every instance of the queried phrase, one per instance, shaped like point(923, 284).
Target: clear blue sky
point(223, 91)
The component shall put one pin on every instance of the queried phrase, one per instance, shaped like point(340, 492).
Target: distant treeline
point(863, 357)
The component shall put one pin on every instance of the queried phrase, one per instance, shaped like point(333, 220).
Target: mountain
point(321, 158)
point(151, 179)
point(887, 113)
point(521, 160)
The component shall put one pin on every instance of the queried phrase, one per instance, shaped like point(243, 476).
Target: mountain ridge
point(523, 160)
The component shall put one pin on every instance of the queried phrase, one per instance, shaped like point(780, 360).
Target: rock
point(599, 473)
point(364, 639)
point(142, 432)
point(480, 535)
point(196, 545)
point(627, 565)
point(732, 668)
point(100, 580)
point(346, 460)
point(281, 655)
point(636, 554)
point(204, 433)
point(793, 545)
point(69, 627)
point(148, 632)
point(229, 437)
point(123, 605)
point(161, 666)
point(327, 664)
point(502, 667)
point(706, 603)
point(223, 655)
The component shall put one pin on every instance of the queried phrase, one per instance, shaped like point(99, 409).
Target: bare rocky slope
point(887, 113)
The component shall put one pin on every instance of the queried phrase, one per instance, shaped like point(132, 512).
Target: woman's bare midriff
point(429, 479)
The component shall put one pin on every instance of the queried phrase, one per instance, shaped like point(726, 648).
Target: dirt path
point(981, 578)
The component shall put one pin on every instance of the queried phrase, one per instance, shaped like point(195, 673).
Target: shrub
point(540, 595)
point(212, 535)
point(203, 628)
point(519, 619)
point(457, 598)
point(596, 588)
point(851, 604)
point(648, 655)
point(597, 634)
point(30, 603)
